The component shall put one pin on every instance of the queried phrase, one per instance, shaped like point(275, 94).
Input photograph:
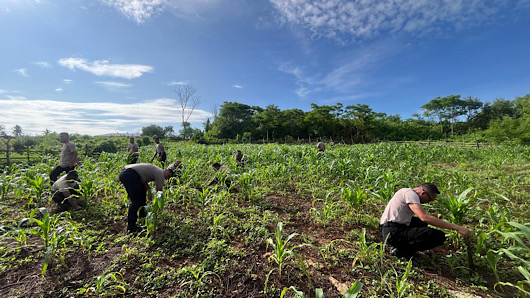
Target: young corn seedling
point(53, 236)
point(153, 211)
point(37, 185)
point(282, 252)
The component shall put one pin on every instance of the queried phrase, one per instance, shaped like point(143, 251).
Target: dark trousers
point(57, 171)
point(61, 200)
point(162, 159)
point(136, 191)
point(133, 158)
point(415, 237)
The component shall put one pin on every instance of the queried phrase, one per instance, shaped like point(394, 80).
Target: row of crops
point(295, 222)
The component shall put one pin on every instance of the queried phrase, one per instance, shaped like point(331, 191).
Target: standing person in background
point(160, 151)
point(132, 148)
point(408, 234)
point(68, 158)
point(320, 146)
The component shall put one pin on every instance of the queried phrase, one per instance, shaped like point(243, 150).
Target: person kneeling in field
point(65, 189)
point(408, 234)
point(221, 169)
point(135, 179)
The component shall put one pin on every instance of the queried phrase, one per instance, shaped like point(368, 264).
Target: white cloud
point(367, 19)
point(91, 117)
point(43, 64)
point(3, 91)
point(67, 81)
point(59, 90)
point(137, 10)
point(22, 71)
point(175, 83)
point(237, 86)
point(114, 86)
point(104, 68)
point(142, 10)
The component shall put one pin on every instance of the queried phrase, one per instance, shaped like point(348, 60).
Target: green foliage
point(282, 252)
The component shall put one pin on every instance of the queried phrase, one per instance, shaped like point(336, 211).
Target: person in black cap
point(135, 178)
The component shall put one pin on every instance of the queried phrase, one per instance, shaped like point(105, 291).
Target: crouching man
point(408, 234)
point(135, 178)
point(65, 190)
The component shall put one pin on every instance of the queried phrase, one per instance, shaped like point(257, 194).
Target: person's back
point(320, 146)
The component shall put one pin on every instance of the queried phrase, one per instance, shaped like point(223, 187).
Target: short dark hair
point(430, 187)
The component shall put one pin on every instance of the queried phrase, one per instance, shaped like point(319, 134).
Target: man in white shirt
point(68, 158)
point(132, 149)
point(408, 234)
point(160, 151)
point(135, 178)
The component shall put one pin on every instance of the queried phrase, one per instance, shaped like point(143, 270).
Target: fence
point(10, 156)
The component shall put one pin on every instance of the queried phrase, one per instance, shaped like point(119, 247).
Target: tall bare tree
point(188, 101)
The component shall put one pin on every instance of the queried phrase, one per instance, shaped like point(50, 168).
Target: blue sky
point(95, 67)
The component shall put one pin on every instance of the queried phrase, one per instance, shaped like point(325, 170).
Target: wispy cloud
point(350, 73)
point(43, 64)
point(67, 81)
point(22, 71)
point(142, 10)
point(59, 90)
point(137, 10)
point(114, 86)
point(367, 19)
point(3, 91)
point(237, 86)
point(175, 83)
point(91, 117)
point(104, 68)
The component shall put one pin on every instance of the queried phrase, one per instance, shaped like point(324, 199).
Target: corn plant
point(282, 252)
point(5, 185)
point(198, 275)
point(88, 190)
point(458, 206)
point(153, 211)
point(353, 291)
point(53, 235)
point(37, 185)
point(106, 284)
point(246, 181)
point(401, 282)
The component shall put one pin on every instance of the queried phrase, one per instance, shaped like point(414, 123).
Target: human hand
point(464, 232)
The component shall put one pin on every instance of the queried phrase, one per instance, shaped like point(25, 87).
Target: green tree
point(17, 131)
point(234, 119)
point(153, 130)
point(269, 121)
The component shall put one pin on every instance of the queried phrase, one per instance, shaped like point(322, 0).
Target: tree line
point(442, 117)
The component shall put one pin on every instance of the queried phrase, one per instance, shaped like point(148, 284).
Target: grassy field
point(295, 222)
